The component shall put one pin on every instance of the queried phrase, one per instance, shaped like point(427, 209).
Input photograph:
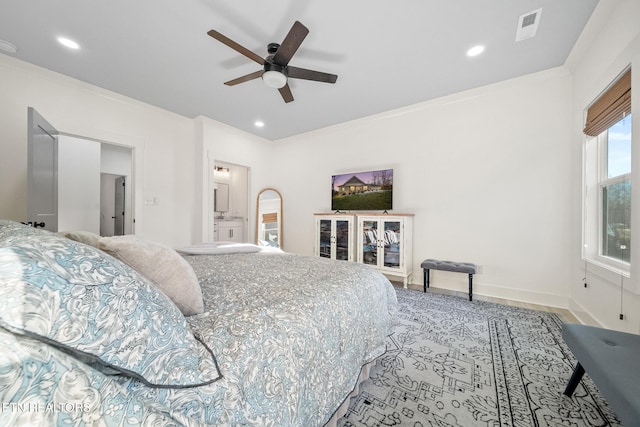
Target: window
point(607, 178)
point(615, 189)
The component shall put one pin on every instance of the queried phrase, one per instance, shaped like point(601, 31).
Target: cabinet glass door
point(392, 240)
point(370, 242)
point(342, 240)
point(325, 238)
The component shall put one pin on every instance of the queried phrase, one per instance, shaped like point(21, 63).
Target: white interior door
point(42, 172)
point(118, 227)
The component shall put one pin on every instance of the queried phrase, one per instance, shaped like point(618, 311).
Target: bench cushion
point(612, 360)
point(458, 267)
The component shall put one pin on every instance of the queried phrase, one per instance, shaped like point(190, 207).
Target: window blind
point(610, 107)
point(270, 217)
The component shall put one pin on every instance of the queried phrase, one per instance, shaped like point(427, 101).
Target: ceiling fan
point(275, 67)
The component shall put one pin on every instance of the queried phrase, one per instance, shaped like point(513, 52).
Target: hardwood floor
point(563, 313)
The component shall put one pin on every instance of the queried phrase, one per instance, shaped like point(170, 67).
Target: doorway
point(230, 197)
point(64, 179)
point(116, 190)
point(113, 204)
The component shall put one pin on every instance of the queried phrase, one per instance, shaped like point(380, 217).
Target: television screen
point(372, 191)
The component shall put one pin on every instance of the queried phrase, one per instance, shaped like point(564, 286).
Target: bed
point(94, 337)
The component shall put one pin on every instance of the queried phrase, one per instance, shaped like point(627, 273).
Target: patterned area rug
point(451, 362)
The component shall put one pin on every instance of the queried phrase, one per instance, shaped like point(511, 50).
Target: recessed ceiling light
point(8, 47)
point(259, 124)
point(475, 51)
point(68, 43)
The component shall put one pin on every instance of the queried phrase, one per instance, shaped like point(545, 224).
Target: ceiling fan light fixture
point(274, 79)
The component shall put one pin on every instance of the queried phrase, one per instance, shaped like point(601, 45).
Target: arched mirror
point(269, 218)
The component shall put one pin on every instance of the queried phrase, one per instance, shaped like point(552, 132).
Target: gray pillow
point(86, 237)
point(160, 264)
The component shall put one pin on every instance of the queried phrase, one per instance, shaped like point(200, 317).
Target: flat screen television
point(370, 191)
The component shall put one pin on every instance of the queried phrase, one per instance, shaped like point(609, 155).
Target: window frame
point(595, 179)
point(606, 110)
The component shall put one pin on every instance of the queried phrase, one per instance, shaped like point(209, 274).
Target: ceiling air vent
point(528, 25)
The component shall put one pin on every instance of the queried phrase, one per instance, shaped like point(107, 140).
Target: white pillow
point(160, 264)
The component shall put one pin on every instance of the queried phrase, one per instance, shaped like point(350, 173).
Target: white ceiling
point(386, 54)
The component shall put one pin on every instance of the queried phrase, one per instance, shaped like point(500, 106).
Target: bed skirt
point(342, 409)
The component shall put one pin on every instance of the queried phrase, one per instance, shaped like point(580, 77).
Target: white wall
point(486, 172)
point(163, 142)
point(608, 45)
point(78, 184)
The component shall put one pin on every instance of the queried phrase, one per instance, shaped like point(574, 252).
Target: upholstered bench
point(456, 267)
point(612, 360)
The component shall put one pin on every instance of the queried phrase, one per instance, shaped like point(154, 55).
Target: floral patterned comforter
point(289, 335)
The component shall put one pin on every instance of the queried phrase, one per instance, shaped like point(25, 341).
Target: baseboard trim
point(490, 291)
point(582, 315)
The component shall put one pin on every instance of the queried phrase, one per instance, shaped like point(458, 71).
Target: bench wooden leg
point(425, 278)
point(470, 287)
point(578, 372)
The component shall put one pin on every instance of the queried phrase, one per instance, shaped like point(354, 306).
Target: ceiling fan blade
point(246, 78)
point(303, 73)
point(291, 43)
point(285, 91)
point(235, 46)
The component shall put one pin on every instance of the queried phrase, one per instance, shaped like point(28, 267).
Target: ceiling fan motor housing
point(270, 66)
point(272, 48)
point(275, 75)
